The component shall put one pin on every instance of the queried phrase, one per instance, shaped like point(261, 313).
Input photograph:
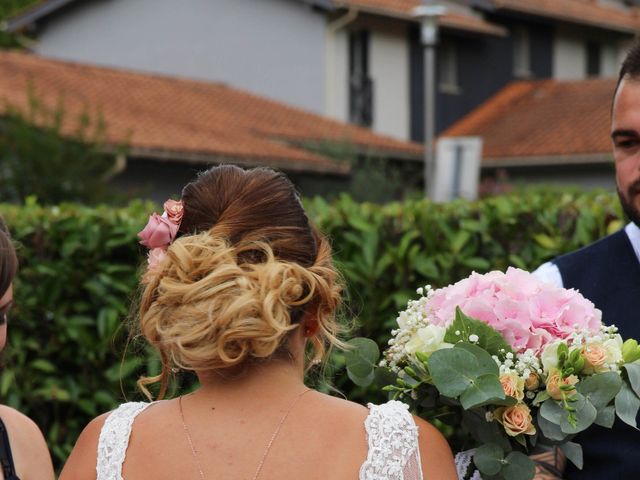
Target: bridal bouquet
point(517, 363)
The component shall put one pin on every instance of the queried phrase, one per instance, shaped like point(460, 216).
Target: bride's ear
point(309, 325)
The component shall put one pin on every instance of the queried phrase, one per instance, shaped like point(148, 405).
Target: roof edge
point(490, 28)
point(548, 160)
point(32, 14)
point(570, 19)
point(202, 158)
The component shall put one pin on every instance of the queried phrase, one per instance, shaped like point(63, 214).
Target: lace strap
point(392, 436)
point(114, 440)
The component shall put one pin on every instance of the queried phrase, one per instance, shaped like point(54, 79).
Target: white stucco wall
point(569, 56)
point(337, 71)
point(570, 53)
point(389, 69)
point(274, 48)
point(609, 60)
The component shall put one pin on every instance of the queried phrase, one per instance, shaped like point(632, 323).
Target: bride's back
point(321, 438)
point(242, 290)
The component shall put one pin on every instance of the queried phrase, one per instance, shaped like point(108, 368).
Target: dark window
point(360, 83)
point(593, 59)
point(447, 57)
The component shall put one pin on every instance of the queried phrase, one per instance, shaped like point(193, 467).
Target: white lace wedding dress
point(392, 436)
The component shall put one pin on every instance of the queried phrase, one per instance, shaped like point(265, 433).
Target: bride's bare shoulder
point(82, 460)
point(435, 453)
point(340, 406)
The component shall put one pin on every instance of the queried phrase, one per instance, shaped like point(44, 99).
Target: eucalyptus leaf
point(486, 364)
point(542, 396)
point(606, 416)
point(489, 459)
point(453, 370)
point(585, 415)
point(364, 381)
point(482, 391)
point(627, 405)
point(483, 431)
point(600, 389)
point(573, 451)
point(361, 357)
point(633, 372)
point(549, 429)
point(518, 467)
point(550, 410)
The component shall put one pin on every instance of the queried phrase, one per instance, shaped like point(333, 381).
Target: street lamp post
point(428, 15)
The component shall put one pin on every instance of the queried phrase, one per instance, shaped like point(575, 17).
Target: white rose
point(613, 346)
point(549, 357)
point(427, 340)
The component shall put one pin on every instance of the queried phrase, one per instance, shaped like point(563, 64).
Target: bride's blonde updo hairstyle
point(245, 269)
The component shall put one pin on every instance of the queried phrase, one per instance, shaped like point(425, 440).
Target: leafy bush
point(8, 8)
point(68, 357)
point(40, 156)
point(64, 362)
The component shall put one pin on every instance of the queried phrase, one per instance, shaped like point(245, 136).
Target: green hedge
point(68, 357)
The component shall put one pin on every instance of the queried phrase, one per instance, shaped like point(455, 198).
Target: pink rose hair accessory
point(161, 230)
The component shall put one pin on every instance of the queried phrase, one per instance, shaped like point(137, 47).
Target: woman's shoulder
point(82, 461)
point(27, 443)
point(18, 422)
point(393, 418)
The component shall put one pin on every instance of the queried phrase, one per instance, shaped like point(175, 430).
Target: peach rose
point(513, 385)
point(175, 211)
point(595, 356)
point(532, 383)
point(515, 420)
point(555, 380)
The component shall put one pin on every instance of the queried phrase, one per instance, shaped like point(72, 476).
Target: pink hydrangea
point(528, 312)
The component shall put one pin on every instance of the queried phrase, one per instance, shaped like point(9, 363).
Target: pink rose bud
point(158, 233)
point(174, 210)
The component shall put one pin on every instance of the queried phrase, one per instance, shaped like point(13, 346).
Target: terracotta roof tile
point(186, 119)
point(542, 119)
point(584, 12)
point(457, 20)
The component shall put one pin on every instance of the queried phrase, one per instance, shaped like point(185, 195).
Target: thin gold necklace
point(266, 451)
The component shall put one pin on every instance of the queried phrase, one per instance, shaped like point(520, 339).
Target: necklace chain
point(266, 451)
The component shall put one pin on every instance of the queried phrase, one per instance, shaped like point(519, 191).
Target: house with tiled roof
point(172, 127)
point(546, 132)
point(357, 61)
point(350, 60)
point(353, 60)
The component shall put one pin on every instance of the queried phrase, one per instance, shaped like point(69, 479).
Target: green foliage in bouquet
point(457, 380)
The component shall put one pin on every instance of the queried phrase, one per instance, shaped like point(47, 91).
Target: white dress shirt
point(549, 272)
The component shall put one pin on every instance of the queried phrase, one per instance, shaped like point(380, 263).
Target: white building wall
point(389, 69)
point(337, 71)
point(569, 56)
point(273, 48)
point(609, 60)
